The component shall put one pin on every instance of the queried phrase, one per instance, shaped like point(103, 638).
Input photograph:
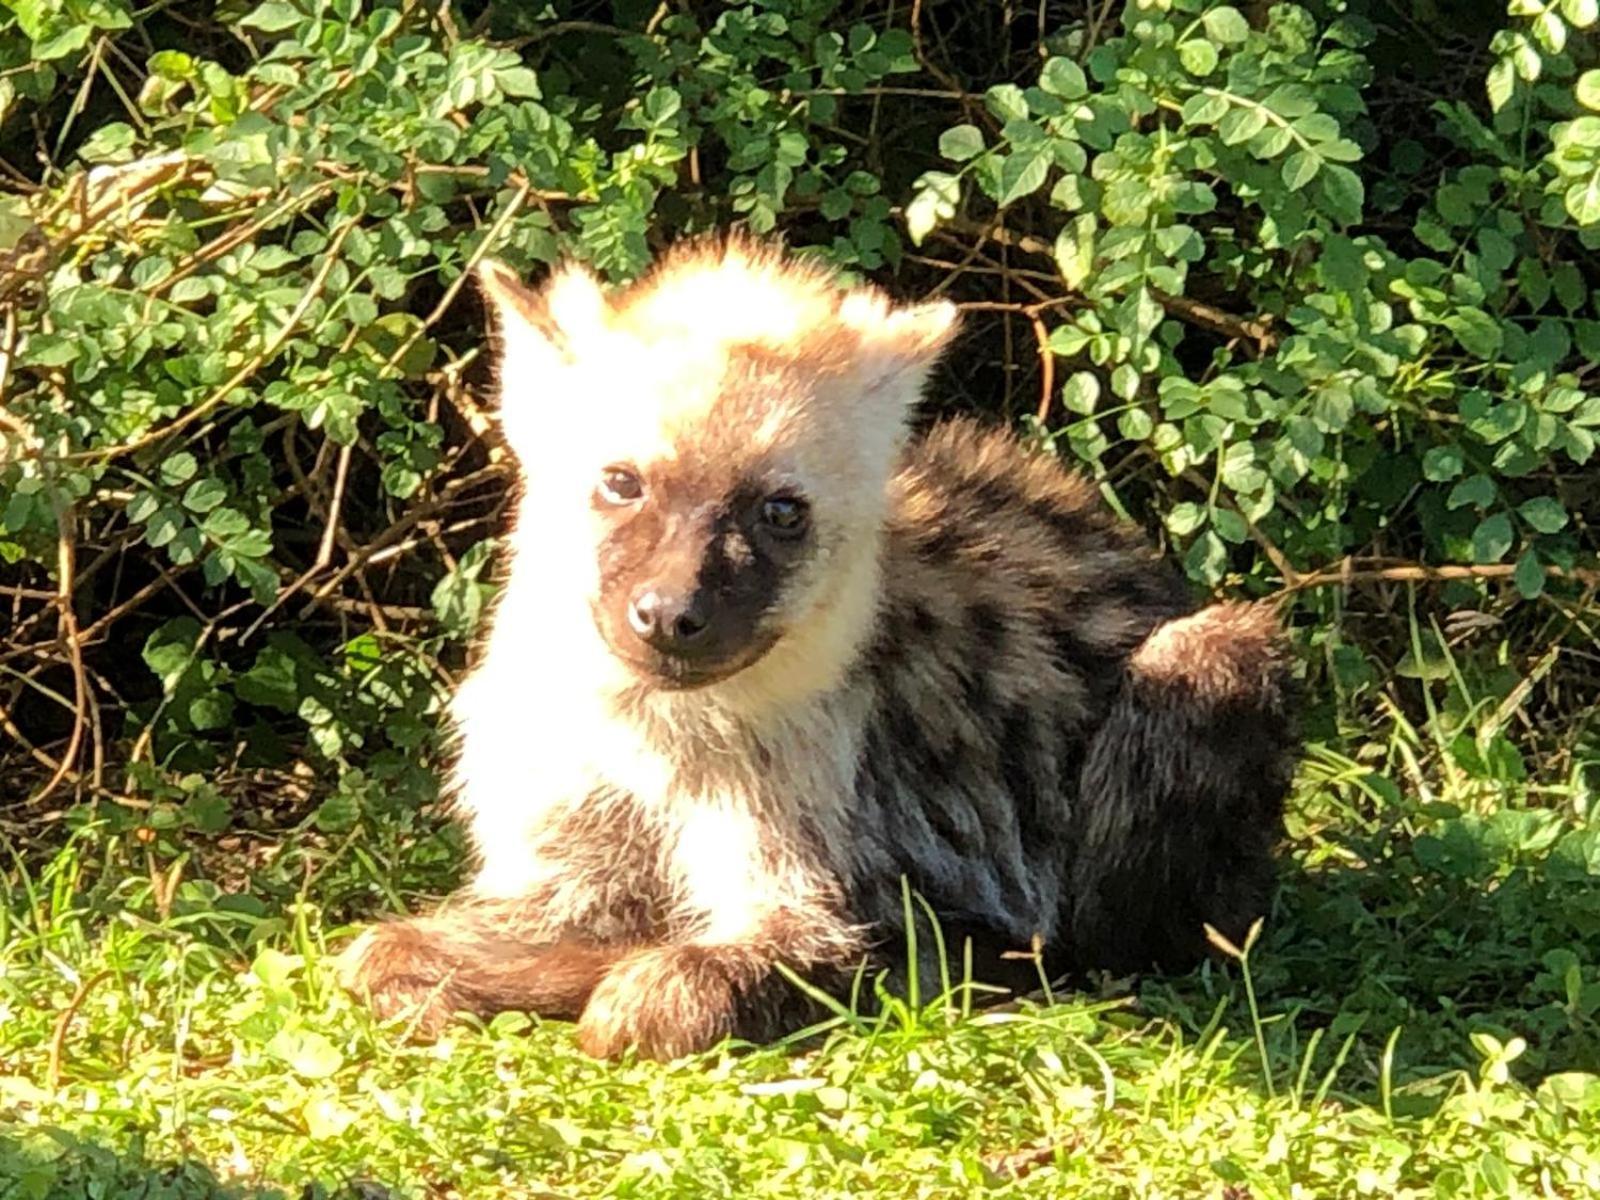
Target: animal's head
point(707, 451)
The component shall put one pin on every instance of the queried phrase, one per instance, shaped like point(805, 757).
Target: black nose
point(669, 623)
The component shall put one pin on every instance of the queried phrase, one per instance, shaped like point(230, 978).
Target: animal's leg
point(474, 955)
point(671, 1000)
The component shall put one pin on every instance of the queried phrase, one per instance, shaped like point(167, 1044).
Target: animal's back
point(1013, 600)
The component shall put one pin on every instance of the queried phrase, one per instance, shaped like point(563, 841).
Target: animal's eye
point(618, 485)
point(785, 514)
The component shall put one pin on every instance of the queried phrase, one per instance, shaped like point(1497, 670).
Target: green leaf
point(1570, 288)
point(1442, 463)
point(1502, 84)
point(1492, 539)
point(1230, 526)
point(458, 598)
point(961, 143)
point(1135, 424)
point(1588, 89)
point(1207, 559)
point(399, 334)
point(307, 1053)
point(1199, 57)
point(1342, 193)
point(936, 197)
point(272, 17)
point(1022, 174)
point(1478, 332)
point(68, 41)
point(272, 681)
point(1185, 518)
point(1241, 124)
point(165, 525)
point(1006, 101)
point(205, 494)
point(1583, 200)
point(1063, 77)
point(1544, 513)
point(1300, 168)
point(326, 1118)
point(524, 83)
point(338, 812)
point(1581, 13)
point(1074, 250)
point(178, 468)
point(170, 649)
point(207, 809)
point(1227, 25)
point(274, 969)
point(1529, 575)
point(1575, 1090)
point(1477, 490)
point(1081, 392)
point(1204, 108)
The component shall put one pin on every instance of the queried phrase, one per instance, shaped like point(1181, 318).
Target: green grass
point(1425, 997)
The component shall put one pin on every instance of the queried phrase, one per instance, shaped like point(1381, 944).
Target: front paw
point(400, 974)
point(665, 1002)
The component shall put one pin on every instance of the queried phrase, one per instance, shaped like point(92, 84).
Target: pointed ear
point(510, 298)
point(898, 345)
point(541, 333)
point(564, 312)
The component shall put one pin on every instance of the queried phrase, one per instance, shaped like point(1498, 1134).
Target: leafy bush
point(1318, 329)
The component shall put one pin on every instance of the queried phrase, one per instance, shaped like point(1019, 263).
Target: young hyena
point(761, 655)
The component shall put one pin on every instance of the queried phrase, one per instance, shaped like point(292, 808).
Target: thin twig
point(58, 1036)
point(1347, 572)
point(67, 633)
point(950, 82)
point(1047, 366)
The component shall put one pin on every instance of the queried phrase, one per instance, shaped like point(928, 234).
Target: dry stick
point(507, 214)
point(67, 634)
point(58, 1037)
point(1097, 22)
point(9, 728)
point(241, 233)
point(1258, 332)
point(1347, 572)
point(128, 605)
point(1041, 335)
point(330, 533)
point(1047, 366)
point(393, 534)
point(222, 393)
point(8, 342)
point(950, 81)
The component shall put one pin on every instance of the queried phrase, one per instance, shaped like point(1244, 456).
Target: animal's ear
point(542, 332)
point(554, 319)
point(898, 344)
point(508, 296)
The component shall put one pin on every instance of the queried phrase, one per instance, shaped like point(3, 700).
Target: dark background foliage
point(1308, 289)
point(1304, 293)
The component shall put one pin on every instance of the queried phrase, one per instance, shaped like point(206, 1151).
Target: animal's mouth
point(671, 673)
point(667, 672)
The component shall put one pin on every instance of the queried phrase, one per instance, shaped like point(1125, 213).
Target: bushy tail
point(1181, 800)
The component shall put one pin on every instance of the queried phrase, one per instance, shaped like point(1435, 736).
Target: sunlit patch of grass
point(1420, 1016)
